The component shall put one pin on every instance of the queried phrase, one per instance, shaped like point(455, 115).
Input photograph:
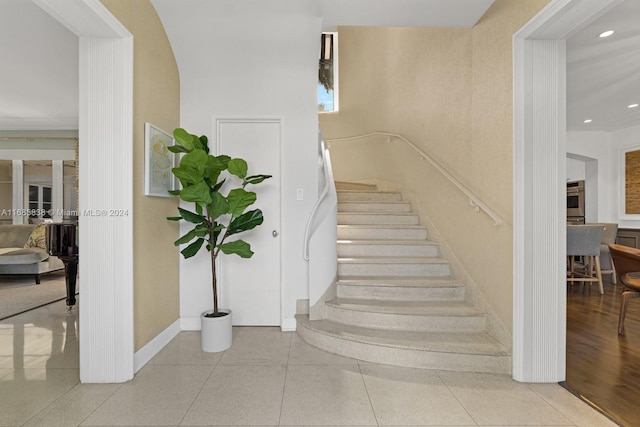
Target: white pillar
point(18, 191)
point(57, 193)
point(106, 141)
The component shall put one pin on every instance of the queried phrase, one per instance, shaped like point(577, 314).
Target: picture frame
point(628, 183)
point(158, 161)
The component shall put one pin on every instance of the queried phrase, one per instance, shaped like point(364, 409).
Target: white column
point(106, 242)
point(539, 295)
point(57, 192)
point(18, 190)
point(106, 141)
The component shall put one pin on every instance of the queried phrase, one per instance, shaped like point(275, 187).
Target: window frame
point(336, 74)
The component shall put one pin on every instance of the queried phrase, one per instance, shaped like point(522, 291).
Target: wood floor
point(602, 367)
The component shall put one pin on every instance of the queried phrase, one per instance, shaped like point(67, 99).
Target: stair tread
point(399, 282)
point(392, 260)
point(374, 214)
point(431, 308)
point(387, 242)
point(447, 342)
point(403, 202)
point(372, 187)
point(369, 191)
point(417, 227)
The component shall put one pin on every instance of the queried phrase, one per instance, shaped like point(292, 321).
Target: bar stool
point(584, 241)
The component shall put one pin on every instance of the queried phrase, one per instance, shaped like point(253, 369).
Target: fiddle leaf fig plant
point(216, 216)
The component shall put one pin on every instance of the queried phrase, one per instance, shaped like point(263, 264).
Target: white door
point(250, 287)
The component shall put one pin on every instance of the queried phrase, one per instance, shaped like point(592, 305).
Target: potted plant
point(216, 217)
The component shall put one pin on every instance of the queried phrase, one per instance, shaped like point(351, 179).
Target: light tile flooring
point(266, 378)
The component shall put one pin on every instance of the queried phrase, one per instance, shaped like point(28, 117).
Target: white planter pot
point(216, 332)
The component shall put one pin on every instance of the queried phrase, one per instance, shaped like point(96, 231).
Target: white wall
point(593, 151)
point(600, 154)
point(250, 59)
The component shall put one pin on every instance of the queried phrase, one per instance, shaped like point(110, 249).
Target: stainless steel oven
point(575, 202)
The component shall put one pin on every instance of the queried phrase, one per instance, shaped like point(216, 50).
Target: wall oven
point(575, 202)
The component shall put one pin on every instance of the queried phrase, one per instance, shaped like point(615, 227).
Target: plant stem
point(214, 284)
point(214, 281)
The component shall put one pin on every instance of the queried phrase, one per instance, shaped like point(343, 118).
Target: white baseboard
point(147, 352)
point(193, 324)
point(288, 324)
point(190, 323)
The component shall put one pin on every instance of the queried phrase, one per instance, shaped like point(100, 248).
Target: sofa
point(23, 251)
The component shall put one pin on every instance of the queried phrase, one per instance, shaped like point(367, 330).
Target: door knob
point(274, 233)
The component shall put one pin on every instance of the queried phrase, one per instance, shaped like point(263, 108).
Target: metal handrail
point(474, 201)
point(328, 185)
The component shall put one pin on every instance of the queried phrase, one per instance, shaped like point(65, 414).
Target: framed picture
point(629, 178)
point(158, 161)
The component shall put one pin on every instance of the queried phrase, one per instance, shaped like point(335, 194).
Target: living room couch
point(23, 251)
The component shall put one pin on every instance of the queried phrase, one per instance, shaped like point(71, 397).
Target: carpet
point(20, 293)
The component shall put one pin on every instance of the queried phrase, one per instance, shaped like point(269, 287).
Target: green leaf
point(219, 185)
point(238, 167)
point(177, 149)
point(218, 206)
point(197, 159)
point(191, 234)
point(197, 193)
point(199, 209)
point(174, 218)
point(202, 230)
point(239, 199)
point(245, 222)
point(256, 179)
point(174, 192)
point(192, 249)
point(191, 217)
point(205, 143)
point(212, 175)
point(183, 138)
point(219, 163)
point(238, 247)
point(187, 175)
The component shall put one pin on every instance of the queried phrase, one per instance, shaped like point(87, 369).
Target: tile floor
point(266, 378)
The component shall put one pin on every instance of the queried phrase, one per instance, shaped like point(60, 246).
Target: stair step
point(382, 232)
point(396, 301)
point(395, 248)
point(393, 266)
point(470, 352)
point(346, 218)
point(374, 206)
point(394, 289)
point(342, 185)
point(365, 196)
point(416, 316)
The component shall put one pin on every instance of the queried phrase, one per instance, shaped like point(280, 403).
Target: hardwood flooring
point(602, 367)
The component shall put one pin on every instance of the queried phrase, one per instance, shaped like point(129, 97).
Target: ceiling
point(39, 85)
point(603, 74)
point(39, 88)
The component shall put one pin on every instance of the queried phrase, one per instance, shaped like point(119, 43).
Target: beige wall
point(492, 125)
point(156, 100)
point(450, 92)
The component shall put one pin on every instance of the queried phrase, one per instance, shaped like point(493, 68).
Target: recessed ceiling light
point(588, 121)
point(632, 106)
point(605, 34)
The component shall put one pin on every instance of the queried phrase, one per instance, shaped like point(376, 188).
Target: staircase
point(397, 302)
